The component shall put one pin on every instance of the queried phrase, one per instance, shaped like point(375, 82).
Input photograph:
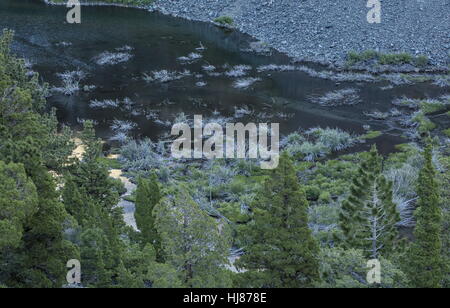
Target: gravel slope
point(326, 30)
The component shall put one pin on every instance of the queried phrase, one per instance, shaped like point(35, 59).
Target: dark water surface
point(157, 41)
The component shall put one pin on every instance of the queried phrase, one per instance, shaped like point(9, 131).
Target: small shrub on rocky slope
point(224, 20)
point(374, 57)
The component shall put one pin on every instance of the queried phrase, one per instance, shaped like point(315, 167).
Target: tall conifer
point(425, 262)
point(147, 196)
point(281, 250)
point(368, 218)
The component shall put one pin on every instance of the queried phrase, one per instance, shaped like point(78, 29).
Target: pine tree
point(141, 269)
point(147, 196)
point(40, 259)
point(91, 177)
point(161, 275)
point(192, 241)
point(281, 250)
point(425, 263)
point(126, 280)
point(446, 223)
point(95, 259)
point(18, 203)
point(59, 145)
point(91, 196)
point(369, 216)
point(93, 145)
point(44, 252)
point(45, 247)
point(74, 202)
point(137, 259)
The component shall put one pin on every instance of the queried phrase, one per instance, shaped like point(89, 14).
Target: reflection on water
point(143, 44)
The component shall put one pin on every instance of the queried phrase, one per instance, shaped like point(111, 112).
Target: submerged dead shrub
point(238, 71)
point(125, 48)
point(208, 68)
point(338, 98)
point(242, 111)
point(244, 83)
point(123, 125)
point(70, 82)
point(104, 104)
point(275, 68)
point(112, 58)
point(377, 115)
point(193, 56)
point(164, 76)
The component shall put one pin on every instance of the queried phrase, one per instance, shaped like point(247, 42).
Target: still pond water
point(154, 43)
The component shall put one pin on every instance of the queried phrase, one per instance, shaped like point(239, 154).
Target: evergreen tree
point(59, 145)
point(93, 145)
point(44, 251)
point(91, 196)
point(347, 268)
point(18, 202)
point(40, 259)
point(137, 259)
point(161, 275)
point(126, 280)
point(140, 269)
point(147, 196)
point(369, 216)
point(425, 263)
point(21, 92)
point(45, 247)
point(281, 250)
point(91, 177)
point(192, 241)
point(446, 230)
point(74, 202)
point(96, 258)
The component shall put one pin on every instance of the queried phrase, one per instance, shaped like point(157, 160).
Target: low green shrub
point(386, 59)
point(447, 132)
point(110, 163)
point(393, 59)
point(312, 192)
point(425, 124)
point(431, 106)
point(224, 20)
point(372, 134)
point(232, 211)
point(325, 197)
point(421, 61)
point(355, 57)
